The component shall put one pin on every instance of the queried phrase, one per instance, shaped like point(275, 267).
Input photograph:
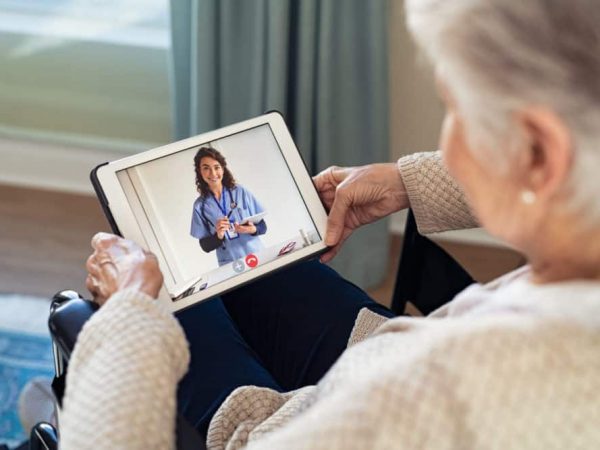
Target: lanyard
point(222, 207)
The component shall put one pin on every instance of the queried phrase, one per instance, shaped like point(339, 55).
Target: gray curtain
point(322, 63)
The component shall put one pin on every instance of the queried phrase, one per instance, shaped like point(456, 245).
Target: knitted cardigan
point(505, 365)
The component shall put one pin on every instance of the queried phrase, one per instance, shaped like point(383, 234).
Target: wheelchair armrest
point(428, 276)
point(68, 313)
point(43, 437)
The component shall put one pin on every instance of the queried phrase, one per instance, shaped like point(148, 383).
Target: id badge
point(231, 233)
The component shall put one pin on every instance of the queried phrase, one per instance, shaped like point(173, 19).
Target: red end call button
point(251, 260)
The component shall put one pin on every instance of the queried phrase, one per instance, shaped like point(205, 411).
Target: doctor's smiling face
point(212, 173)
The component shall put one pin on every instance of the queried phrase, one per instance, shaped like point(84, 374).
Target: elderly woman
point(511, 364)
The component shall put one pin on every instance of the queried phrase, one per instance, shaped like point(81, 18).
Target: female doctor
point(221, 208)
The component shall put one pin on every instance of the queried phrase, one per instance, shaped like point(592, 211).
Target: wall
point(416, 113)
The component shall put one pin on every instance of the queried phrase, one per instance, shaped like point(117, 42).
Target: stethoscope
point(232, 206)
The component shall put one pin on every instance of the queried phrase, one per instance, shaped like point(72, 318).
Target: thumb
point(337, 218)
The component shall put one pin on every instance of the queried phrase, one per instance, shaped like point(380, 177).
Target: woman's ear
point(548, 155)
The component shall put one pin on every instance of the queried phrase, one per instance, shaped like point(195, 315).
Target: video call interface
point(218, 210)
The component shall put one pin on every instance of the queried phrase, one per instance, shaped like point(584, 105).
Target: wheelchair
point(427, 276)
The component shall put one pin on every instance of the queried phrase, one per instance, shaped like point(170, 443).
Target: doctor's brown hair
point(201, 185)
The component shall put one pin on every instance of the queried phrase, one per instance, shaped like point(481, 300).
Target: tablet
point(256, 218)
point(191, 204)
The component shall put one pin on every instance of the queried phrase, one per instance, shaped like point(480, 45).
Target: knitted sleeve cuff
point(437, 201)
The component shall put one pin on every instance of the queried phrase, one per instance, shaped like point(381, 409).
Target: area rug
point(25, 353)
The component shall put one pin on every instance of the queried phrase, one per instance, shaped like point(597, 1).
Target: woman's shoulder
point(238, 188)
point(198, 202)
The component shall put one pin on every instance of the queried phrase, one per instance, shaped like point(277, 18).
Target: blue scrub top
point(208, 208)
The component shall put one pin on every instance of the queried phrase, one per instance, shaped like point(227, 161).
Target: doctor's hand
point(248, 228)
point(356, 196)
point(222, 226)
point(118, 264)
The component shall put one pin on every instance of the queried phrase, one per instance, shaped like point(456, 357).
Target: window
point(85, 71)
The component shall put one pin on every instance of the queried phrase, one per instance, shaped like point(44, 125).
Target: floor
point(44, 242)
point(44, 239)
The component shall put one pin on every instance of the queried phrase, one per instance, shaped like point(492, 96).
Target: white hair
point(499, 56)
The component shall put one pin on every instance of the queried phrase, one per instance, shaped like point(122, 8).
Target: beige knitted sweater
point(506, 365)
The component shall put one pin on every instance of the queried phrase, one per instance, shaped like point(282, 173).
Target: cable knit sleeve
point(436, 200)
point(122, 377)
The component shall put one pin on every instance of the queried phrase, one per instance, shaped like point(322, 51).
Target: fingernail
point(329, 238)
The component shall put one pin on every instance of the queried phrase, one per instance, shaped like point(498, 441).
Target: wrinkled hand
point(117, 264)
point(222, 227)
point(356, 196)
point(248, 228)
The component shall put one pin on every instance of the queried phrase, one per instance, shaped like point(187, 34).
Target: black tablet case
point(102, 199)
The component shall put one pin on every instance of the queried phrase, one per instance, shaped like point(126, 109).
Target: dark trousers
point(283, 332)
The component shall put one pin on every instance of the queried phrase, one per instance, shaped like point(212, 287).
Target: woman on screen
point(219, 217)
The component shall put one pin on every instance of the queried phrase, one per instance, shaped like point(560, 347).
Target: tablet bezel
point(123, 220)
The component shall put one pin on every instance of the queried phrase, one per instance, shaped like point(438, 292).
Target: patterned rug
point(25, 353)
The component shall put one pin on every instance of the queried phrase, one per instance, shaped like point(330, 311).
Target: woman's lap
point(283, 332)
point(221, 361)
point(299, 320)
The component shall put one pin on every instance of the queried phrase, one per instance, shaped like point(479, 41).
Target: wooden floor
point(45, 240)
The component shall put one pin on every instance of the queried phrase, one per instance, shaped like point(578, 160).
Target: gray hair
point(498, 56)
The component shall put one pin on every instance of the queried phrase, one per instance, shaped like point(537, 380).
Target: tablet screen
point(218, 209)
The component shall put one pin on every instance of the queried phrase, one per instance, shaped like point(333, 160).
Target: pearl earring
point(528, 197)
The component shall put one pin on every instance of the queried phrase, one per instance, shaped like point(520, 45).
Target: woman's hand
point(357, 196)
point(247, 228)
point(222, 227)
point(119, 264)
